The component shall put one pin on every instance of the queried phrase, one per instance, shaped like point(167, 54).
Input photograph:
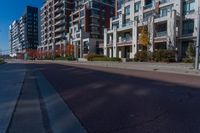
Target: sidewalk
point(11, 81)
point(28, 113)
point(178, 68)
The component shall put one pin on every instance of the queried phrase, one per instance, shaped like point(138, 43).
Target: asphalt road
point(107, 100)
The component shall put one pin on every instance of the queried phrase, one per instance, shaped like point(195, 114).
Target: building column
point(151, 29)
point(81, 45)
point(105, 42)
point(114, 41)
point(110, 52)
point(171, 30)
point(134, 39)
point(64, 49)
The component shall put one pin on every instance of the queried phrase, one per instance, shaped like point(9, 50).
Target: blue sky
point(11, 10)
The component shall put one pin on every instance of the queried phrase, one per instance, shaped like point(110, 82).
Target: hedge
point(95, 57)
point(157, 56)
point(1, 60)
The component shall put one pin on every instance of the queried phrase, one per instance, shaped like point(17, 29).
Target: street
point(111, 100)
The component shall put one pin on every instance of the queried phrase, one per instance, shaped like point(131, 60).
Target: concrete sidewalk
point(11, 81)
point(178, 68)
point(28, 113)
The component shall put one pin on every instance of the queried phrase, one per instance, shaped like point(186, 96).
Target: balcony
point(58, 3)
point(60, 22)
point(125, 41)
point(58, 36)
point(58, 10)
point(60, 29)
point(60, 15)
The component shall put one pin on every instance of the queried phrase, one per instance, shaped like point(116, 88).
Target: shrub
point(158, 56)
point(95, 57)
point(115, 59)
point(190, 53)
point(1, 60)
point(188, 60)
point(69, 58)
point(90, 57)
point(141, 56)
point(164, 56)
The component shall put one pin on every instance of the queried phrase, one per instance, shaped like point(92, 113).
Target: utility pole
point(198, 41)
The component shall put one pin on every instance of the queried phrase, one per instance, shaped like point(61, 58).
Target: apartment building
point(171, 24)
point(14, 38)
point(23, 33)
point(55, 17)
point(88, 20)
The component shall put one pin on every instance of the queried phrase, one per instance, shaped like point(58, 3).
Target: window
point(188, 27)
point(164, 11)
point(137, 6)
point(82, 13)
point(119, 5)
point(188, 7)
point(127, 10)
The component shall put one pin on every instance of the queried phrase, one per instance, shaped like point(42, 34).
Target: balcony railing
point(161, 34)
point(165, 1)
point(148, 6)
point(125, 40)
point(127, 25)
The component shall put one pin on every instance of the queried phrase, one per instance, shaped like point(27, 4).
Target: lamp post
point(198, 41)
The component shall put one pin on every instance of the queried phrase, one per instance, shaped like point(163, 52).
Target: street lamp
point(198, 41)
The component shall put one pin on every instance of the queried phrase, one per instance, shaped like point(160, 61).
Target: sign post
point(198, 41)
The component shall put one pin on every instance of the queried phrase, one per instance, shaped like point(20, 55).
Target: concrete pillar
point(110, 53)
point(134, 39)
point(81, 49)
point(105, 42)
point(123, 52)
point(171, 30)
point(114, 42)
point(64, 48)
point(151, 32)
point(111, 26)
point(76, 50)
